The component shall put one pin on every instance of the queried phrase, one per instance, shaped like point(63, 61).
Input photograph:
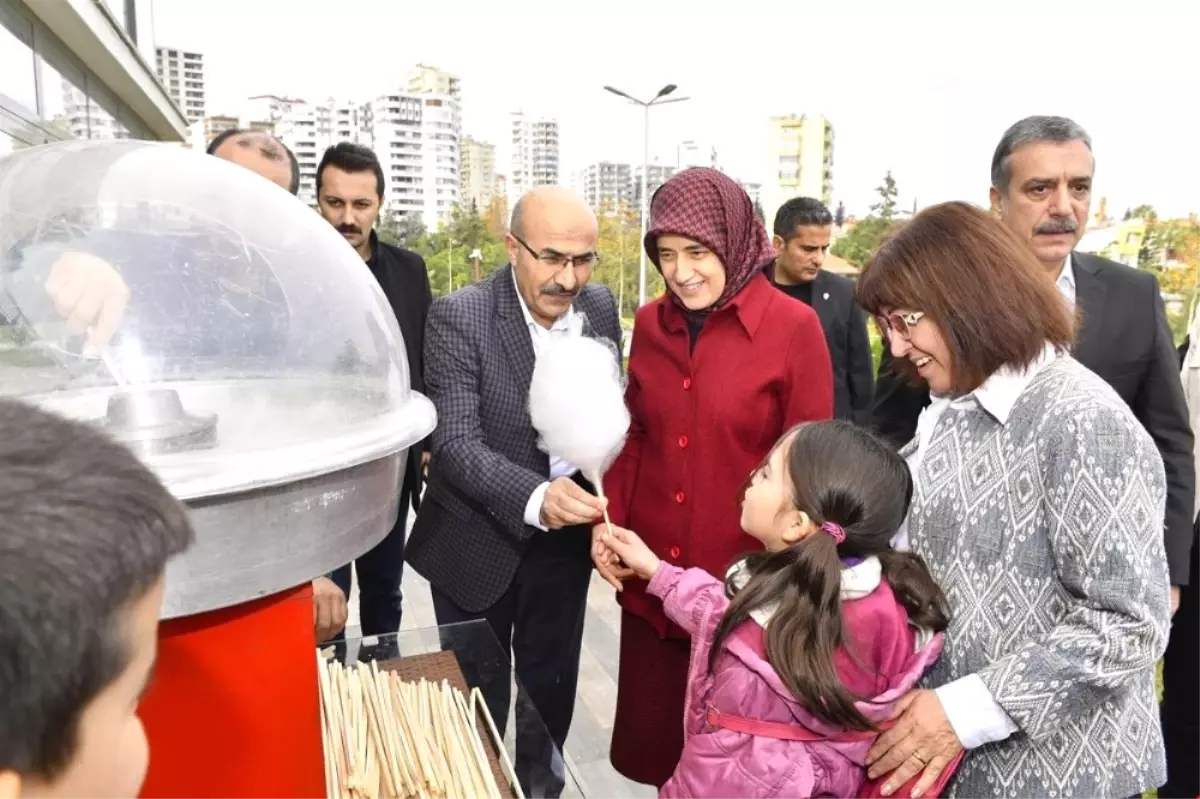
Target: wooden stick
point(387, 765)
point(398, 756)
point(479, 704)
point(479, 769)
point(331, 787)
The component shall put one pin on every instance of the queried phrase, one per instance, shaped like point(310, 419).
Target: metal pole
point(645, 204)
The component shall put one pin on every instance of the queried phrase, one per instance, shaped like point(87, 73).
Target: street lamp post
point(659, 99)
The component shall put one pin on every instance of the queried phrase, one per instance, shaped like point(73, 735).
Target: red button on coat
point(680, 497)
point(682, 442)
point(687, 383)
point(674, 553)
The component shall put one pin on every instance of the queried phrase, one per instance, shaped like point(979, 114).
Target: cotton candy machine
point(233, 340)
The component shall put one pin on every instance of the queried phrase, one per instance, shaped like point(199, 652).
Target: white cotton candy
point(577, 404)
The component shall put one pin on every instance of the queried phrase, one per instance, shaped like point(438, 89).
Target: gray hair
point(517, 218)
point(1029, 130)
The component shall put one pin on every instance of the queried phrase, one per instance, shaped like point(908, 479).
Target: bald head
point(556, 202)
point(552, 247)
point(261, 153)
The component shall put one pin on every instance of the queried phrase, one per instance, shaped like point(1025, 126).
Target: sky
point(923, 88)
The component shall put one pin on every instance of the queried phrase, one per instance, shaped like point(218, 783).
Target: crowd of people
point(956, 578)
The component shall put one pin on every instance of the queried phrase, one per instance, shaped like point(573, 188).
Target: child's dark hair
point(85, 532)
point(842, 474)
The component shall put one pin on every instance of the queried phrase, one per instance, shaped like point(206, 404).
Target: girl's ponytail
point(804, 584)
point(914, 586)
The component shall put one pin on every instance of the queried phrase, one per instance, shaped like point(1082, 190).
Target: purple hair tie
point(834, 529)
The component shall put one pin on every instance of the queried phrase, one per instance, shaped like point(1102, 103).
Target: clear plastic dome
point(199, 313)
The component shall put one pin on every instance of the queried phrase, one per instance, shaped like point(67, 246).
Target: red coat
point(701, 423)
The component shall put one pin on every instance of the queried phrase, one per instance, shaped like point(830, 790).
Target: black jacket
point(405, 282)
point(845, 329)
point(1125, 339)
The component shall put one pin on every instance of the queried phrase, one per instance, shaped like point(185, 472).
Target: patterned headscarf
point(708, 206)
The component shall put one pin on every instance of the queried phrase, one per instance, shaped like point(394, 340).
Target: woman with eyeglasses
point(1038, 506)
point(719, 367)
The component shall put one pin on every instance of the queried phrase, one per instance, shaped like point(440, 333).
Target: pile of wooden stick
point(386, 738)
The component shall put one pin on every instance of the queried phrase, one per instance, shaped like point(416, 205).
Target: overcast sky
point(925, 90)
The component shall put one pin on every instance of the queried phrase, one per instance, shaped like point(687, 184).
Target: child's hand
point(632, 551)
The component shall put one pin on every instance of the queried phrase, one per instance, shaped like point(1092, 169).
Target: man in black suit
point(350, 195)
point(504, 532)
point(803, 227)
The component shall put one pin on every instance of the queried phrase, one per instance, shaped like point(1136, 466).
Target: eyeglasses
point(558, 259)
point(898, 323)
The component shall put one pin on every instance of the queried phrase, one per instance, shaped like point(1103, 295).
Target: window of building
point(17, 82)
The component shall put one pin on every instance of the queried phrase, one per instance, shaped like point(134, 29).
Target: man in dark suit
point(503, 533)
point(350, 195)
point(803, 227)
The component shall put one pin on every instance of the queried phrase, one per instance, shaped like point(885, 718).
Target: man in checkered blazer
point(503, 530)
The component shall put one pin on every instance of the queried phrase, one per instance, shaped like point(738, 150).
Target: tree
point(860, 242)
point(497, 216)
point(885, 209)
point(620, 254)
point(1178, 268)
point(839, 217)
point(467, 227)
point(759, 212)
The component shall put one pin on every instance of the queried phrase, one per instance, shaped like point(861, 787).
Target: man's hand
point(567, 504)
point(921, 742)
point(1175, 594)
point(329, 609)
point(606, 561)
point(90, 294)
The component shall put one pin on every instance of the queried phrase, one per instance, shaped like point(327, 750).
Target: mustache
point(348, 229)
point(1066, 225)
point(555, 290)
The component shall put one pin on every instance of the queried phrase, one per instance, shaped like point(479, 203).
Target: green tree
point(860, 242)
point(839, 216)
point(620, 251)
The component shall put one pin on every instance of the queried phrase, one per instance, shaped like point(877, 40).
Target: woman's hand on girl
point(632, 551)
point(921, 742)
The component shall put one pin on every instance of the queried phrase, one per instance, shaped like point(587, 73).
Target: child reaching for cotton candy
point(804, 649)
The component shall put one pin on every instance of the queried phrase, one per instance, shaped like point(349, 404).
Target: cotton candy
point(577, 404)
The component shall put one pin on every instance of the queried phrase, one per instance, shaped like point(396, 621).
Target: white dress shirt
point(541, 338)
point(973, 713)
point(1066, 281)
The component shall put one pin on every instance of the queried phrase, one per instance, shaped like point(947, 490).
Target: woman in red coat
point(719, 367)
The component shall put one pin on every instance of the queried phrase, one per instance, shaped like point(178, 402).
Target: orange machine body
point(234, 708)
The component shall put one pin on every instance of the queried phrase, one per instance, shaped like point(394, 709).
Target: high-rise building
point(415, 137)
point(267, 107)
point(424, 79)
point(656, 175)
point(608, 186)
point(693, 153)
point(66, 64)
point(85, 119)
point(799, 161)
point(181, 72)
point(754, 190)
point(534, 154)
point(203, 131)
point(477, 173)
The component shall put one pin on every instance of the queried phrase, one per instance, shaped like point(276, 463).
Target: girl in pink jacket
point(805, 647)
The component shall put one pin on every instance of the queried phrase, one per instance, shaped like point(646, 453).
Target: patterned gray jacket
point(1045, 532)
